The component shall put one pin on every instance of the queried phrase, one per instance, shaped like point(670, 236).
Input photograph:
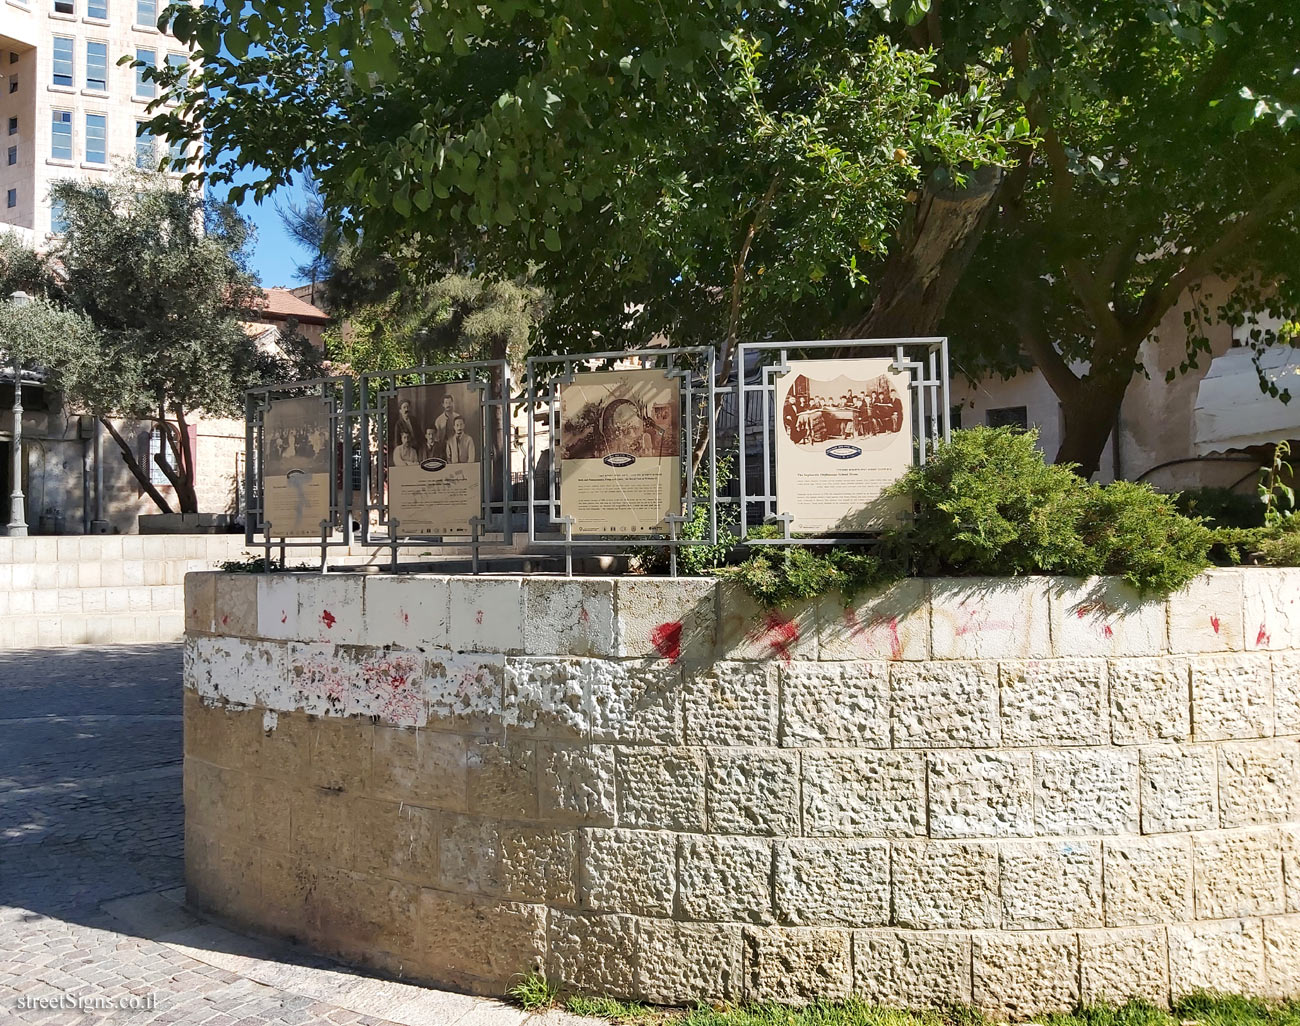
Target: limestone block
point(1025, 973)
point(1271, 608)
point(840, 883)
point(277, 606)
point(903, 969)
point(666, 618)
point(981, 794)
point(471, 856)
point(324, 680)
point(1054, 702)
point(339, 755)
point(502, 777)
point(479, 941)
point(464, 692)
point(945, 705)
point(593, 953)
point(1150, 700)
point(1086, 791)
point(200, 602)
point(1050, 885)
point(390, 685)
point(753, 791)
point(682, 963)
point(1116, 965)
point(661, 788)
point(863, 794)
point(634, 701)
point(1289, 837)
point(422, 767)
point(890, 624)
point(1286, 693)
point(731, 704)
point(250, 672)
point(539, 865)
point(568, 616)
point(1238, 874)
point(487, 615)
point(546, 698)
point(748, 631)
point(235, 609)
point(1148, 881)
point(1179, 788)
point(1232, 697)
point(725, 879)
point(835, 705)
point(1259, 782)
point(1103, 616)
point(796, 965)
point(629, 871)
point(330, 608)
point(389, 839)
point(1282, 956)
point(989, 618)
point(945, 885)
point(576, 783)
point(1227, 957)
point(408, 612)
point(1207, 614)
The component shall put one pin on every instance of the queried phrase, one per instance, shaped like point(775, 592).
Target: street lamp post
point(17, 527)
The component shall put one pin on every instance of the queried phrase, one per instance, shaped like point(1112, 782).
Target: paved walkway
point(91, 872)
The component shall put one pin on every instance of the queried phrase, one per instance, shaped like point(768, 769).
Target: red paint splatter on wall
point(328, 619)
point(895, 642)
point(1214, 622)
point(284, 616)
point(1262, 637)
point(406, 618)
point(870, 633)
point(1106, 630)
point(478, 617)
point(778, 634)
point(225, 620)
point(667, 640)
point(583, 616)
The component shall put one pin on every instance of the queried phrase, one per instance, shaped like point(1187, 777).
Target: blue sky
point(275, 256)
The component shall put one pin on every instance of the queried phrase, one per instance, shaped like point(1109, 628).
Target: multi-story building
point(67, 109)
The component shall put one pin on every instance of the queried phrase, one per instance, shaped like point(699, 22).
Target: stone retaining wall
point(1017, 794)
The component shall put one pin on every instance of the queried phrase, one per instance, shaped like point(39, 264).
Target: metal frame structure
point(494, 516)
point(335, 393)
point(924, 359)
point(542, 390)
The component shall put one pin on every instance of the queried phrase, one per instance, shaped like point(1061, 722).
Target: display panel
point(435, 448)
point(843, 435)
point(620, 451)
point(296, 467)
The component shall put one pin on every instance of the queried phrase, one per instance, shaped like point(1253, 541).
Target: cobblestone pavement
point(91, 870)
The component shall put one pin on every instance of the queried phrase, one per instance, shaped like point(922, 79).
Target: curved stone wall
point(1017, 794)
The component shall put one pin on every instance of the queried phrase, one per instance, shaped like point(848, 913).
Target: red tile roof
point(278, 304)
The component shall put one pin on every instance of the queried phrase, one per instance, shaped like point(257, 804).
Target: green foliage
point(782, 575)
point(699, 560)
point(21, 268)
point(621, 1012)
point(1276, 494)
point(1221, 507)
point(258, 565)
point(534, 992)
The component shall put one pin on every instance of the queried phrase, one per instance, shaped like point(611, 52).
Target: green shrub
point(1221, 507)
point(534, 992)
point(781, 575)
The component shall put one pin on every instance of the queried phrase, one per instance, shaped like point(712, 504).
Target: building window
point(180, 64)
point(13, 126)
point(1008, 416)
point(58, 217)
point(954, 417)
point(146, 86)
point(62, 50)
point(11, 198)
point(176, 154)
point(156, 475)
point(61, 134)
point(12, 157)
point(97, 66)
point(96, 139)
point(97, 9)
point(146, 13)
point(13, 83)
point(65, 7)
point(146, 152)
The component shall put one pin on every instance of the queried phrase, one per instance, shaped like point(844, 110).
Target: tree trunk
point(1089, 414)
point(141, 475)
point(926, 265)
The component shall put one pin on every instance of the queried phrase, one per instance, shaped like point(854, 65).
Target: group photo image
point(843, 407)
point(432, 423)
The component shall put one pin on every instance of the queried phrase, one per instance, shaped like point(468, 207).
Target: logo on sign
point(433, 464)
point(843, 452)
point(619, 459)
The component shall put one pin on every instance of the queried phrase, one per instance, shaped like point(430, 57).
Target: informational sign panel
point(296, 443)
point(435, 447)
point(843, 435)
point(620, 451)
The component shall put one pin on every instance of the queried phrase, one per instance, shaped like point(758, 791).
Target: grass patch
point(534, 992)
point(1196, 1010)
